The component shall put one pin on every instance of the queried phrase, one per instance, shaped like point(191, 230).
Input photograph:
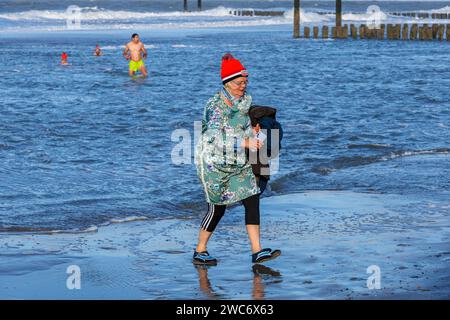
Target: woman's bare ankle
point(256, 249)
point(200, 248)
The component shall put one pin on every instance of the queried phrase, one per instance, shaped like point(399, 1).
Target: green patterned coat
point(225, 174)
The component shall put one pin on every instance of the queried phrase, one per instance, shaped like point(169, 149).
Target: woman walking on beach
point(224, 171)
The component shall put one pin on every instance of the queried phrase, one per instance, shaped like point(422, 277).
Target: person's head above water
point(135, 37)
point(97, 51)
point(234, 75)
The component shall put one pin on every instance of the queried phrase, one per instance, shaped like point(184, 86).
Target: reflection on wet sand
point(204, 283)
point(261, 274)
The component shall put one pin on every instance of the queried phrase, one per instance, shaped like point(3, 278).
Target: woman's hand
point(256, 128)
point(251, 143)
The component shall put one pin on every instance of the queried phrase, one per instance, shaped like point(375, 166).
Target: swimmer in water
point(64, 57)
point(98, 52)
point(135, 52)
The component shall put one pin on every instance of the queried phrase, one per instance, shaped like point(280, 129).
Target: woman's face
point(237, 86)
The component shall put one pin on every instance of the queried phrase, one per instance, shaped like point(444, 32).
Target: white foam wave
point(313, 17)
point(365, 17)
point(94, 13)
point(121, 47)
point(182, 46)
point(94, 18)
point(128, 219)
point(112, 47)
point(91, 229)
point(394, 155)
point(445, 9)
point(156, 26)
point(307, 17)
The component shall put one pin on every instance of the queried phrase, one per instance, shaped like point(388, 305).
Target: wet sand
point(327, 238)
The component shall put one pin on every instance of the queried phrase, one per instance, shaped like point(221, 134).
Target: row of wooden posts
point(390, 32)
point(186, 8)
point(297, 16)
point(256, 13)
point(425, 15)
point(338, 12)
point(272, 13)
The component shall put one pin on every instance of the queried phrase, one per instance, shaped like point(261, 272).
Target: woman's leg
point(252, 221)
point(254, 236)
point(209, 223)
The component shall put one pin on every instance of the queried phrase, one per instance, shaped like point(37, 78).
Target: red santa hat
point(232, 68)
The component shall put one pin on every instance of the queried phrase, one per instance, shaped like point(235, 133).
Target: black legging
point(216, 212)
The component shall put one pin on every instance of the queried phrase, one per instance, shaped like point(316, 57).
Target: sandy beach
point(328, 239)
point(88, 180)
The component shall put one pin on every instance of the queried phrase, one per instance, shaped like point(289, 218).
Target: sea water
point(84, 145)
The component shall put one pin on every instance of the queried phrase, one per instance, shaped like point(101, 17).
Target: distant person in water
point(136, 52)
point(98, 51)
point(64, 58)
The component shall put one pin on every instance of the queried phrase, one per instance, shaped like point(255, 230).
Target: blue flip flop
point(265, 255)
point(203, 258)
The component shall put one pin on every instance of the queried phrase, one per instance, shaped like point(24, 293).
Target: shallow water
point(84, 143)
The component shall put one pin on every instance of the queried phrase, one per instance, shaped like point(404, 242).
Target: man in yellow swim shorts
point(136, 52)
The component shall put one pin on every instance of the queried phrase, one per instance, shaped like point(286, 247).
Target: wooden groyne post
point(405, 32)
point(325, 32)
point(339, 31)
point(362, 31)
point(413, 33)
point(186, 8)
point(296, 18)
point(306, 32)
point(441, 32)
point(316, 32)
point(338, 13)
point(354, 32)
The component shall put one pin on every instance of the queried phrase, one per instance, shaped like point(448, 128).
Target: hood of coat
point(256, 113)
